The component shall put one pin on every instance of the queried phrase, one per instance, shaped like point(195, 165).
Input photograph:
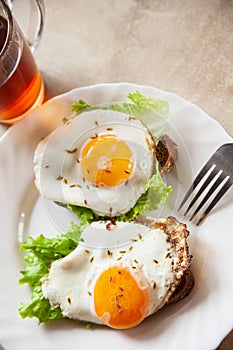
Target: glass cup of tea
point(21, 84)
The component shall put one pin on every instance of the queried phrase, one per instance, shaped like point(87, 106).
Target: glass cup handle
point(35, 22)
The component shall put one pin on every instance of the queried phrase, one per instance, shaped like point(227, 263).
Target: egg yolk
point(120, 300)
point(106, 160)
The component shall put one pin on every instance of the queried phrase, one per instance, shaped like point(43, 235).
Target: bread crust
point(166, 153)
point(184, 288)
point(177, 234)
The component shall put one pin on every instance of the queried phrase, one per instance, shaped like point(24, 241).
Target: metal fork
point(214, 179)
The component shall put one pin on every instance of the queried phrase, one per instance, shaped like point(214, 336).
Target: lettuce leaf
point(42, 252)
point(153, 112)
point(85, 215)
point(156, 194)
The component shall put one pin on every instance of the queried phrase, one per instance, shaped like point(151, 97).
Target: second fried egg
point(120, 272)
point(99, 159)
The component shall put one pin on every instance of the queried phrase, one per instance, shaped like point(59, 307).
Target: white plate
point(198, 322)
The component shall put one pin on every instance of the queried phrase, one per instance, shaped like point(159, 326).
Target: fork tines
point(214, 179)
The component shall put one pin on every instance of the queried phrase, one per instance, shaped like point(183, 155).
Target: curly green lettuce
point(42, 252)
point(153, 112)
point(156, 194)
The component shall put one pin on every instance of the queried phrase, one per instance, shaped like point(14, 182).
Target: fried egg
point(120, 272)
point(99, 159)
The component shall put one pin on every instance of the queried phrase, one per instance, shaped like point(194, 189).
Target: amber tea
point(21, 85)
point(24, 88)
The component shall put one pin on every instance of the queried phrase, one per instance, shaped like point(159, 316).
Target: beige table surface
point(182, 46)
